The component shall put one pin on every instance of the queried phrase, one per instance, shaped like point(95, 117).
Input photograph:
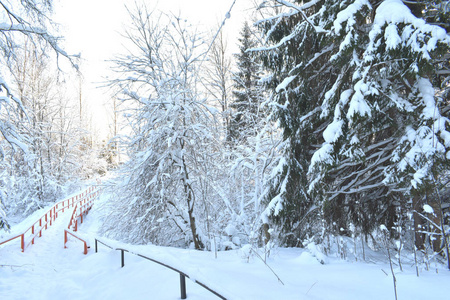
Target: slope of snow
point(48, 271)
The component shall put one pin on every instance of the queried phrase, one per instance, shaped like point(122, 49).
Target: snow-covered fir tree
point(296, 55)
point(355, 80)
point(388, 140)
point(247, 93)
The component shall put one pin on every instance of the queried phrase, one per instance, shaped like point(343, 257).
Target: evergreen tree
point(352, 90)
point(297, 57)
point(387, 140)
point(247, 90)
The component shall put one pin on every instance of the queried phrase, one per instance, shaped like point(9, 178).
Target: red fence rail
point(67, 232)
point(81, 209)
point(35, 230)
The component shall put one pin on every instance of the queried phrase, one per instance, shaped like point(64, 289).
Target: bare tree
point(39, 174)
point(218, 77)
point(21, 20)
point(171, 131)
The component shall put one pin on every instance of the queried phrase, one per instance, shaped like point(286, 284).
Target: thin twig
point(268, 266)
point(311, 287)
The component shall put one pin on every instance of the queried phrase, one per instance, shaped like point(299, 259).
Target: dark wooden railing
point(183, 275)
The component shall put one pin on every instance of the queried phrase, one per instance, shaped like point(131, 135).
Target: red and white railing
point(81, 209)
point(35, 230)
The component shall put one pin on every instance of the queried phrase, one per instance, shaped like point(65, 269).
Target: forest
point(329, 129)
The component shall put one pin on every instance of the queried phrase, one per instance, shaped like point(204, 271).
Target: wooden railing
point(81, 209)
point(67, 232)
point(35, 230)
point(183, 275)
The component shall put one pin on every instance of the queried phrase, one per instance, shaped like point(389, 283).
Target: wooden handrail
point(84, 209)
point(47, 219)
point(86, 246)
point(183, 275)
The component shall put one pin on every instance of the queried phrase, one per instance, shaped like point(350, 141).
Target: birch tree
point(160, 196)
point(20, 20)
point(41, 174)
point(217, 77)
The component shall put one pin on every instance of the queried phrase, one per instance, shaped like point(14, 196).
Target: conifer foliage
point(247, 92)
point(354, 94)
point(297, 57)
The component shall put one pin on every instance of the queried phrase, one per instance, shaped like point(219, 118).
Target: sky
point(93, 29)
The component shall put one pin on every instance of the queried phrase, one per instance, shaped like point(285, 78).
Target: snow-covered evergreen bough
point(359, 90)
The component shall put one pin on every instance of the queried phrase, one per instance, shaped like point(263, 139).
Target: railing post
point(22, 242)
point(123, 257)
point(65, 238)
point(183, 286)
point(96, 246)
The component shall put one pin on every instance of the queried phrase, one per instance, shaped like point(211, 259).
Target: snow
point(347, 15)
point(358, 105)
point(428, 209)
point(333, 131)
point(393, 12)
point(284, 83)
point(392, 37)
point(427, 92)
point(48, 271)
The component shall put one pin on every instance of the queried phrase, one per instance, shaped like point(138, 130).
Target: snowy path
point(48, 271)
point(42, 268)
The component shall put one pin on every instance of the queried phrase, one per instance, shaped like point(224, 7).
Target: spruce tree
point(247, 91)
point(388, 139)
point(297, 58)
point(352, 85)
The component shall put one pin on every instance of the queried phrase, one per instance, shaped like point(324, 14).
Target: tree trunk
point(266, 233)
point(190, 198)
point(418, 223)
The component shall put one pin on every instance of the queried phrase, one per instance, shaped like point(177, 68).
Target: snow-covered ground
point(48, 271)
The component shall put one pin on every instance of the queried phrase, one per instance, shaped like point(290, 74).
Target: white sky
point(92, 28)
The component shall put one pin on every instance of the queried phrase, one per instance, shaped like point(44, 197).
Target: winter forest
point(327, 130)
